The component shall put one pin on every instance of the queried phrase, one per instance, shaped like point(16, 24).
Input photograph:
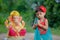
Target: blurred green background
point(26, 9)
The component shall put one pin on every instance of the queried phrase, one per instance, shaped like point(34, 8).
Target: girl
point(15, 25)
point(42, 31)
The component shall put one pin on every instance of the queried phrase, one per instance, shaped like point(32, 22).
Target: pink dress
point(13, 33)
point(42, 31)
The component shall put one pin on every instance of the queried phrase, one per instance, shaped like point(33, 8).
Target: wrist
point(40, 25)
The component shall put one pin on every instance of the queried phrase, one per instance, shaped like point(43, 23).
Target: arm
point(34, 26)
point(44, 26)
point(35, 23)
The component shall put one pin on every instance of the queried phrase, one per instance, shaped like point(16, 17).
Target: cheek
point(42, 14)
point(37, 16)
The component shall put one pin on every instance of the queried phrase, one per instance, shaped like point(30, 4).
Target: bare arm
point(44, 26)
point(34, 26)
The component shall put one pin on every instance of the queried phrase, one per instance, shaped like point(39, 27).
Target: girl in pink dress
point(42, 31)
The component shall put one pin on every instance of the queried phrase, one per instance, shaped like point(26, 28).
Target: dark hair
point(38, 9)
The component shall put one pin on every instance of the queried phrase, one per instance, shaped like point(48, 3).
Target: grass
point(3, 29)
point(30, 30)
point(55, 31)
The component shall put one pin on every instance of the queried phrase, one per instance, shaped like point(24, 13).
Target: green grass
point(3, 29)
point(55, 31)
point(29, 29)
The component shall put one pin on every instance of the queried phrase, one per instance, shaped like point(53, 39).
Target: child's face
point(40, 14)
point(16, 19)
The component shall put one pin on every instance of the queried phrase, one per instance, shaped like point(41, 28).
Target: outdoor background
point(26, 8)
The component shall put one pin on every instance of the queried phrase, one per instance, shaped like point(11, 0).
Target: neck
point(41, 19)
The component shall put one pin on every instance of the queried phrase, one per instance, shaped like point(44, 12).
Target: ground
point(29, 36)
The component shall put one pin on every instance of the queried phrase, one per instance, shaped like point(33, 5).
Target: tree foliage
point(24, 6)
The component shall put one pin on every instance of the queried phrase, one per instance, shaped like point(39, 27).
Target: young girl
point(15, 25)
point(42, 31)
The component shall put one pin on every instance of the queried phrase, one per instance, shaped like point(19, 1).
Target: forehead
point(15, 16)
point(39, 12)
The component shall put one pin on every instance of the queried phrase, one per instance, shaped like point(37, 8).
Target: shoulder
point(46, 20)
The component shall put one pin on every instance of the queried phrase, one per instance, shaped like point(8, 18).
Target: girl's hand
point(39, 23)
point(43, 26)
point(34, 26)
